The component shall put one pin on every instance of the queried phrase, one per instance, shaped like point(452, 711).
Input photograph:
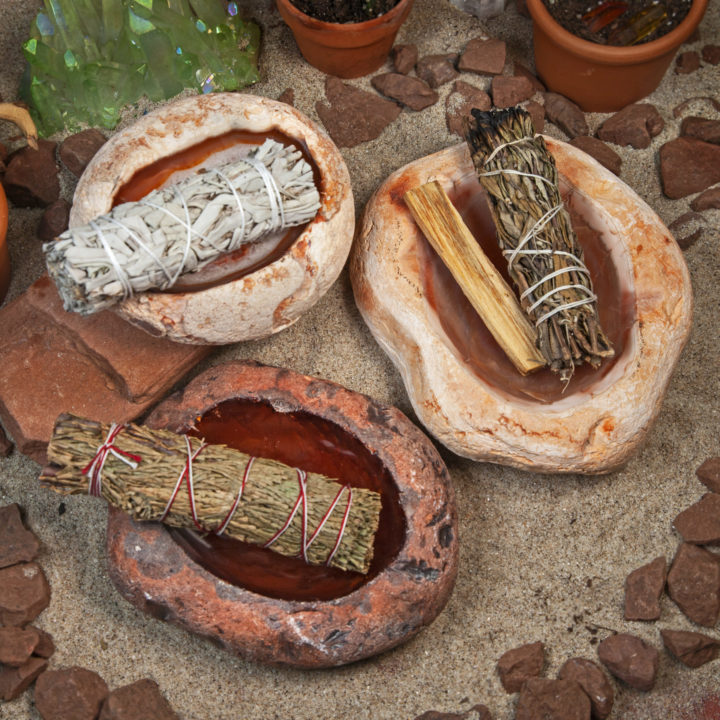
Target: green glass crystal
point(88, 59)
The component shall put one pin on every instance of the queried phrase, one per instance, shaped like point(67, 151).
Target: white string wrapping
point(149, 244)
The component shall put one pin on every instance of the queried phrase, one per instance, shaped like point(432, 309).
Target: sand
point(543, 557)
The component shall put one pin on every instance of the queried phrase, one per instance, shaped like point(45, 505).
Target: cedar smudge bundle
point(148, 244)
point(183, 482)
point(535, 233)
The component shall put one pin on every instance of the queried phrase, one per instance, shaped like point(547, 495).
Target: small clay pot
point(272, 609)
point(4, 252)
point(602, 78)
point(345, 50)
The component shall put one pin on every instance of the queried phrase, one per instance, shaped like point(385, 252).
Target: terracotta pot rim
point(611, 55)
point(320, 25)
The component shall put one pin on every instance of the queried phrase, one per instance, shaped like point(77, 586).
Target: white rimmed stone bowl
point(276, 294)
point(481, 408)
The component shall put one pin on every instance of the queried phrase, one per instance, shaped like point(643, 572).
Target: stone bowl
point(237, 302)
point(462, 387)
point(271, 609)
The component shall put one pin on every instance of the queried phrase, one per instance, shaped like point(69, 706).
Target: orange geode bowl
point(461, 385)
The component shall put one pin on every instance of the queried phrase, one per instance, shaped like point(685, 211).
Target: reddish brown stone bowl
point(277, 610)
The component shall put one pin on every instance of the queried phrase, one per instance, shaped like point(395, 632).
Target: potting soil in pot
point(628, 22)
point(353, 11)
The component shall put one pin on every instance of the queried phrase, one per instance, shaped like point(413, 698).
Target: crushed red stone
point(595, 684)
point(517, 665)
point(31, 178)
point(602, 152)
point(404, 58)
point(509, 91)
point(520, 70)
point(630, 659)
point(17, 645)
point(709, 474)
point(537, 113)
point(687, 62)
point(77, 150)
point(458, 104)
point(24, 593)
point(45, 647)
point(287, 96)
point(410, 91)
point(476, 712)
point(54, 220)
point(700, 523)
point(694, 584)
point(354, 116)
point(687, 229)
point(74, 692)
point(708, 200)
point(643, 589)
point(17, 544)
point(688, 166)
point(566, 115)
point(691, 648)
point(436, 70)
point(701, 128)
point(711, 54)
point(140, 700)
point(484, 56)
point(14, 681)
point(546, 699)
point(634, 125)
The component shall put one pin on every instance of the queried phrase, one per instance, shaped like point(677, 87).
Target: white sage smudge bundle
point(149, 244)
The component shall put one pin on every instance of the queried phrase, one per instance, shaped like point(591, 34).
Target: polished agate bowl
point(254, 291)
point(461, 385)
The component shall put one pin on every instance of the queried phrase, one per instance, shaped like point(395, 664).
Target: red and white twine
point(95, 467)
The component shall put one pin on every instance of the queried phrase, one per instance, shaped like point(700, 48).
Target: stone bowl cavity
point(235, 298)
point(271, 609)
point(462, 387)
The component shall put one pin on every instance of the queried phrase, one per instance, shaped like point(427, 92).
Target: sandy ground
point(542, 557)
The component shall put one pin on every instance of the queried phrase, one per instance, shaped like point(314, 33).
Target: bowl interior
point(314, 444)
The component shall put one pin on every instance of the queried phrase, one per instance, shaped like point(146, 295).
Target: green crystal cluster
point(90, 58)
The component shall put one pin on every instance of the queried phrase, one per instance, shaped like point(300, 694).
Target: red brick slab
point(100, 367)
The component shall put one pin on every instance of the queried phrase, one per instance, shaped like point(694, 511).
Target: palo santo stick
point(478, 278)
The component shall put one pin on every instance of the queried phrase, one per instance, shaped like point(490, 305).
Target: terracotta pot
point(601, 78)
point(4, 252)
point(346, 50)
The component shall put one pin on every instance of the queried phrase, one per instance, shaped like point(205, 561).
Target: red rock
point(701, 128)
point(566, 115)
point(708, 200)
point(412, 92)
point(517, 665)
point(694, 584)
point(711, 54)
point(436, 70)
point(546, 699)
point(24, 593)
point(476, 712)
point(603, 153)
point(460, 102)
point(99, 367)
point(74, 693)
point(17, 645)
point(634, 125)
point(354, 116)
point(31, 178)
point(700, 523)
point(15, 680)
point(54, 220)
point(484, 56)
point(287, 96)
point(45, 647)
point(6, 445)
point(687, 62)
point(687, 229)
point(522, 8)
point(404, 58)
point(643, 588)
point(691, 648)
point(537, 113)
point(521, 70)
point(79, 149)
point(4, 155)
point(630, 659)
point(140, 701)
point(17, 545)
point(709, 474)
point(156, 574)
point(688, 166)
point(508, 91)
point(594, 683)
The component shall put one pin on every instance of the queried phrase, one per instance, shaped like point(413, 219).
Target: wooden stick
point(478, 278)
